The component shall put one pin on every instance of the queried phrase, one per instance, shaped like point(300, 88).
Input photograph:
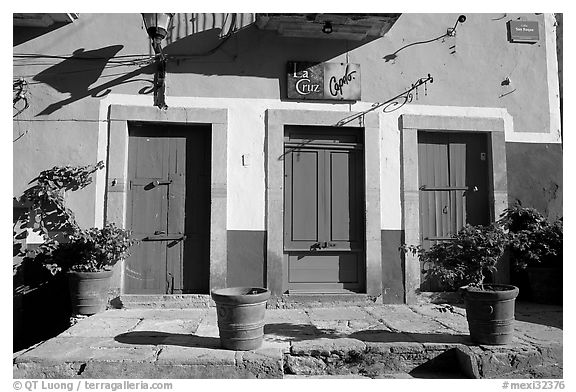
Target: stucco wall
point(67, 118)
point(65, 97)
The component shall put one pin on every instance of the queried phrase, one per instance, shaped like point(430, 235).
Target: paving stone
point(332, 328)
point(339, 313)
point(402, 318)
point(83, 349)
point(264, 361)
point(207, 330)
point(168, 326)
point(448, 315)
point(394, 376)
point(330, 376)
point(162, 314)
point(383, 335)
point(192, 341)
point(196, 356)
point(305, 365)
point(537, 333)
point(210, 317)
point(285, 332)
point(100, 327)
point(274, 342)
point(388, 347)
point(326, 346)
point(288, 316)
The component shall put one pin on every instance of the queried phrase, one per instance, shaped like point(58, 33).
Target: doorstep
point(162, 301)
point(285, 301)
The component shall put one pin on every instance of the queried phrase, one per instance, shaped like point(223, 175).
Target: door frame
point(276, 119)
point(409, 126)
point(117, 172)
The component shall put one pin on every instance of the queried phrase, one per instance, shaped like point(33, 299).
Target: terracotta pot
point(88, 291)
point(490, 313)
point(241, 316)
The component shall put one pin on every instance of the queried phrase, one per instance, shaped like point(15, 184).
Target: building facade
point(297, 151)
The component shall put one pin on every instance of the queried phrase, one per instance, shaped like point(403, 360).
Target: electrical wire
point(127, 60)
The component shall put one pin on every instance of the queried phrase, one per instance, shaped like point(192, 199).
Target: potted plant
point(467, 262)
point(80, 253)
point(87, 258)
point(536, 251)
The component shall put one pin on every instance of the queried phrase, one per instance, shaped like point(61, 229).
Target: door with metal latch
point(453, 184)
point(168, 209)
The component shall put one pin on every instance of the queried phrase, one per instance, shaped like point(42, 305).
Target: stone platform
point(356, 341)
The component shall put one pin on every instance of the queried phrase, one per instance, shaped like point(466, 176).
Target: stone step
point(349, 357)
point(286, 301)
point(158, 301)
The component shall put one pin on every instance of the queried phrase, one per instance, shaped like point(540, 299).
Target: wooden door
point(453, 183)
point(168, 209)
point(323, 214)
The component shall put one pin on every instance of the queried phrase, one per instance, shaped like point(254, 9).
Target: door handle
point(156, 183)
point(165, 237)
point(315, 246)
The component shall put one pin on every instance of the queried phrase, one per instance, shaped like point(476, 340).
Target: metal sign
point(523, 31)
point(323, 81)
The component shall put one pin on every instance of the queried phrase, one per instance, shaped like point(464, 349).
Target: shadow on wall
point(76, 74)
point(247, 52)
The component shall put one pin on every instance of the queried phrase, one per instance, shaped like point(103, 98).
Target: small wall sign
point(331, 81)
point(523, 31)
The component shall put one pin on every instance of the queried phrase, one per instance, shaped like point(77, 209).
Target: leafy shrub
point(47, 210)
point(471, 255)
point(468, 258)
point(66, 246)
point(533, 240)
point(91, 250)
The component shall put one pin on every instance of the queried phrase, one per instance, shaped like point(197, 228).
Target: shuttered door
point(323, 235)
point(453, 183)
point(168, 204)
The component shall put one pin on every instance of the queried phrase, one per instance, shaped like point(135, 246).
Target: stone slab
point(100, 327)
point(450, 316)
point(288, 316)
point(326, 346)
point(264, 361)
point(163, 314)
point(168, 326)
point(182, 355)
point(402, 318)
point(82, 349)
point(338, 313)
